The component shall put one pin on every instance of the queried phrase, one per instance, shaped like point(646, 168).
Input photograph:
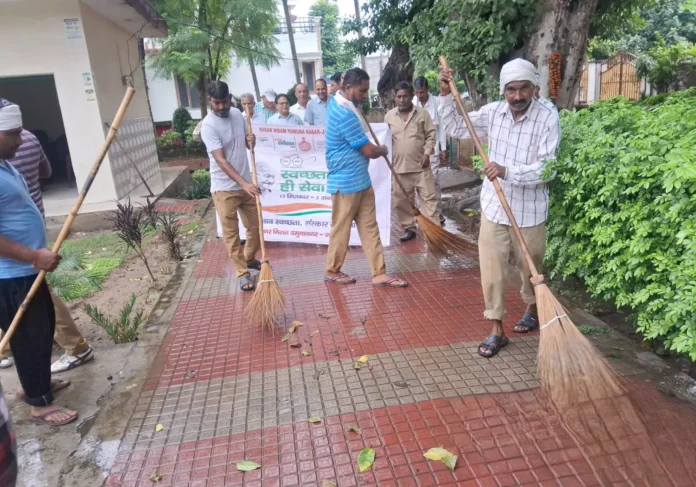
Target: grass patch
point(594, 330)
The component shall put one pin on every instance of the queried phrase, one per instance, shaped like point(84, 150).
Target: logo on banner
point(285, 143)
point(304, 145)
point(264, 141)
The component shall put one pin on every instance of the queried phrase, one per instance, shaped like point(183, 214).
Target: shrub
point(124, 330)
point(199, 188)
point(181, 120)
point(292, 99)
point(170, 232)
point(72, 279)
point(128, 224)
point(622, 212)
point(666, 67)
point(149, 211)
point(170, 139)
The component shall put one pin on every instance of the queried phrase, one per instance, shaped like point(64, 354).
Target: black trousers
point(32, 342)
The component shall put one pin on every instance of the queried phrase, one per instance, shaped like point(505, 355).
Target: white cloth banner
point(292, 172)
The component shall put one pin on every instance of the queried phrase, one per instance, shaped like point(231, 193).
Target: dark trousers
point(32, 342)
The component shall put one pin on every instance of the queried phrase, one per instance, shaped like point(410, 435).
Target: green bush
point(73, 278)
point(170, 139)
point(125, 329)
point(292, 99)
point(199, 188)
point(622, 212)
point(181, 120)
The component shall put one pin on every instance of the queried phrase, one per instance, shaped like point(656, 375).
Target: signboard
point(292, 174)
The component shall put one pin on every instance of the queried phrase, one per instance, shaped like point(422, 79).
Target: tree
point(203, 34)
point(478, 37)
point(334, 55)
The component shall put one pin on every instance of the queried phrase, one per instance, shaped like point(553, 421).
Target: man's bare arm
point(43, 259)
point(374, 151)
point(219, 156)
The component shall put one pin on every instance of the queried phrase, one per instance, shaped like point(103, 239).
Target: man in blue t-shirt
point(348, 153)
point(23, 254)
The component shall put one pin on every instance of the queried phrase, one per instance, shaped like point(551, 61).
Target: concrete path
point(225, 392)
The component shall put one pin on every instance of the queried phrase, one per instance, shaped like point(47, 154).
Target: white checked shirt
point(432, 107)
point(523, 147)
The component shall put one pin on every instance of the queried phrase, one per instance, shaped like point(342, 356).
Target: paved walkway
point(224, 391)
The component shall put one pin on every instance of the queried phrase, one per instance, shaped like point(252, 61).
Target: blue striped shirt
point(348, 167)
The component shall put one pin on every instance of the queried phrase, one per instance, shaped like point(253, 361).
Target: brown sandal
point(56, 385)
point(43, 418)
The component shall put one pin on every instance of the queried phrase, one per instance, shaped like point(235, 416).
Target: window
point(308, 73)
point(187, 93)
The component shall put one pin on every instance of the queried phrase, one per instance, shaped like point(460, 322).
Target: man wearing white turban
point(23, 254)
point(523, 136)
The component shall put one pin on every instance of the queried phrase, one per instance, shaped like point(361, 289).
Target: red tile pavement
point(203, 163)
point(501, 440)
point(181, 206)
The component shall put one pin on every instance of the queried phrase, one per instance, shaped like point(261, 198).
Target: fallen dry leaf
point(357, 365)
point(132, 386)
point(314, 419)
point(443, 455)
point(295, 345)
point(295, 325)
point(285, 338)
point(450, 461)
point(355, 429)
point(322, 315)
point(190, 374)
point(159, 427)
point(306, 353)
point(363, 359)
point(314, 333)
point(156, 477)
point(327, 483)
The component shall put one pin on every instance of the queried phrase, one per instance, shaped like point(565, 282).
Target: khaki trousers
point(67, 335)
point(495, 242)
point(422, 184)
point(359, 208)
point(227, 204)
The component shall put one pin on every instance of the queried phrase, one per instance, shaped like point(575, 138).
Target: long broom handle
point(496, 183)
point(386, 158)
point(73, 213)
point(256, 183)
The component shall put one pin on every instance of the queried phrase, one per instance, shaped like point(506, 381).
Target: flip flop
point(493, 344)
point(56, 385)
point(527, 324)
point(246, 283)
point(42, 418)
point(340, 279)
point(254, 264)
point(393, 282)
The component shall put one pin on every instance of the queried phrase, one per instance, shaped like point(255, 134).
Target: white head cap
point(270, 95)
point(10, 115)
point(517, 70)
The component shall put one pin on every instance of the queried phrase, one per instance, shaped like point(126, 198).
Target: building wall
point(41, 46)
point(114, 57)
point(375, 64)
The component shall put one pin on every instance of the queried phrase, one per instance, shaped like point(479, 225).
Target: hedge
point(623, 211)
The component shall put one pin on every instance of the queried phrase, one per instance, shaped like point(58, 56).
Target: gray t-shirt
point(228, 134)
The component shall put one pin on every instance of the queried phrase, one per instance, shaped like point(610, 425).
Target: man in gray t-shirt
point(224, 134)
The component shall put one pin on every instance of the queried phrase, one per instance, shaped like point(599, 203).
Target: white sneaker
point(67, 362)
point(6, 362)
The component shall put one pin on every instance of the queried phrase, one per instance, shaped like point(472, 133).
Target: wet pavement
point(223, 391)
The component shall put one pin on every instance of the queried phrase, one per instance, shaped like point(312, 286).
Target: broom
point(439, 240)
point(73, 213)
point(569, 366)
point(268, 300)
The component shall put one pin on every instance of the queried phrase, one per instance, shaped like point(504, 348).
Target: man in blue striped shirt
point(348, 153)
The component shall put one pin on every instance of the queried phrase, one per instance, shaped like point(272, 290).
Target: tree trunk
point(563, 28)
point(202, 95)
point(291, 38)
point(398, 68)
point(252, 67)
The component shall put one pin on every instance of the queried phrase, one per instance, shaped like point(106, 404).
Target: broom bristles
point(440, 241)
point(268, 301)
point(569, 366)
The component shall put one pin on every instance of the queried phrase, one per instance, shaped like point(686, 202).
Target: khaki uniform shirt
point(411, 138)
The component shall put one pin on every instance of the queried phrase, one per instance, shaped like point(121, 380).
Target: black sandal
point(527, 324)
point(254, 264)
point(246, 283)
point(492, 344)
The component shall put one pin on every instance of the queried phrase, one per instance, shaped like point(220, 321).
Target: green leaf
point(285, 338)
point(314, 419)
point(436, 454)
point(247, 466)
point(450, 461)
point(365, 459)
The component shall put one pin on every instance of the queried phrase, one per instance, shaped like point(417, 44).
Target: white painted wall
point(36, 30)
point(163, 96)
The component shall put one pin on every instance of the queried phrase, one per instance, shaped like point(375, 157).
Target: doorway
point(42, 116)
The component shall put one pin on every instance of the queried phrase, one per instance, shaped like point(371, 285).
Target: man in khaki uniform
point(413, 138)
